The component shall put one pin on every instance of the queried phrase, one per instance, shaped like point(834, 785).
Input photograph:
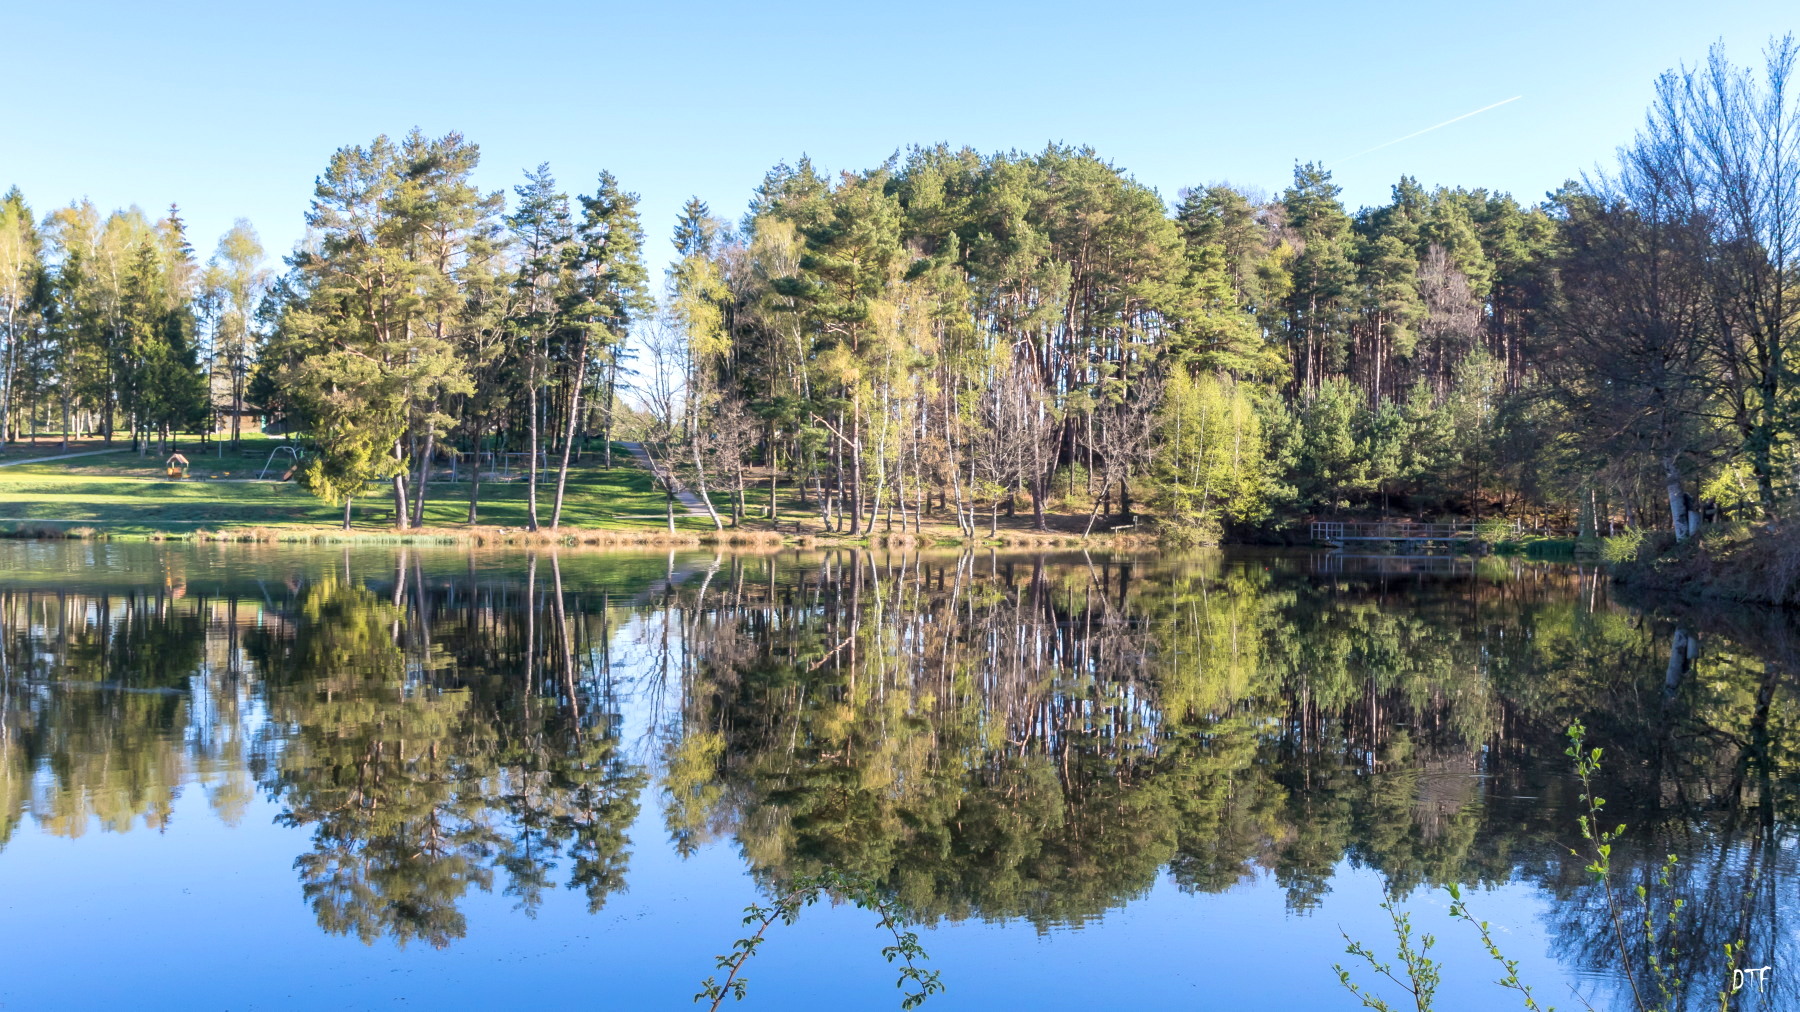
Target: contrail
point(1429, 129)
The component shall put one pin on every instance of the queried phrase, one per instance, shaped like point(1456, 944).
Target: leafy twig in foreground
point(786, 909)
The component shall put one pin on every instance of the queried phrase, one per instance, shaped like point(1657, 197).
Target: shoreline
point(584, 537)
point(1751, 563)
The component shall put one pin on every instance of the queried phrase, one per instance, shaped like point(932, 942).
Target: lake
point(241, 776)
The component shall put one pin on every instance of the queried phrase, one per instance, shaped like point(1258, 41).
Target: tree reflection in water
point(983, 736)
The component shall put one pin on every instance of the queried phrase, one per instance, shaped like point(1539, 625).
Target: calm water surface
point(250, 777)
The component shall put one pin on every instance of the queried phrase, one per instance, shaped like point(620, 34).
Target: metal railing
point(1339, 563)
point(1340, 531)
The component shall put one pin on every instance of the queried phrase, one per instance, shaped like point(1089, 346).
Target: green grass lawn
point(127, 494)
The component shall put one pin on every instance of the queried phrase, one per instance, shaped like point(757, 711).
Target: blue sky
point(232, 109)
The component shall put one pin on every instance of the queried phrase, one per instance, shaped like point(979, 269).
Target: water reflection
point(428, 746)
point(985, 736)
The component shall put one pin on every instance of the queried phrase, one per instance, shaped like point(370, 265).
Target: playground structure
point(500, 465)
point(294, 462)
point(493, 465)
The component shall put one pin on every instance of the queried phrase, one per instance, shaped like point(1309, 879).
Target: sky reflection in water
point(248, 777)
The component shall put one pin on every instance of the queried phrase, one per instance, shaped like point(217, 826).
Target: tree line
point(950, 335)
point(109, 324)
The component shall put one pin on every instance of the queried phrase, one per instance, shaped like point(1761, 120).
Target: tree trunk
point(1038, 482)
point(900, 484)
point(531, 517)
point(1682, 651)
point(700, 479)
point(1677, 498)
point(612, 385)
point(400, 499)
point(774, 473)
point(424, 479)
point(922, 501)
point(237, 406)
point(964, 526)
point(6, 377)
point(837, 476)
point(562, 469)
point(531, 623)
point(475, 474)
point(347, 501)
point(1089, 529)
point(840, 487)
point(875, 503)
point(856, 469)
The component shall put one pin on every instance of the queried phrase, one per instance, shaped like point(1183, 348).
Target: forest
point(949, 336)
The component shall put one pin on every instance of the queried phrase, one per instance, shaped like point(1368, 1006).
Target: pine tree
point(540, 227)
point(1323, 273)
point(1220, 331)
point(606, 291)
point(365, 362)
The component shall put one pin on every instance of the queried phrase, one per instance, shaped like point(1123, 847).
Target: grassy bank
point(1740, 562)
point(1544, 548)
point(124, 494)
point(93, 490)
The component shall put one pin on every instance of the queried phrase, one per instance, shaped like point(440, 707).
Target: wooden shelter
point(249, 416)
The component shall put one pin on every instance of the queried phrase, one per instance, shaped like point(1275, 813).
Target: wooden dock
point(1334, 532)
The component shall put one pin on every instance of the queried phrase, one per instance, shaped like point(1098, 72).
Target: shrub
point(1193, 534)
point(1622, 547)
point(1495, 530)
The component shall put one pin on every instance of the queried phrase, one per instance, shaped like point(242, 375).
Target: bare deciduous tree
point(1722, 149)
point(1124, 435)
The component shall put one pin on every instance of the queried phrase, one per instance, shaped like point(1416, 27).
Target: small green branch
point(804, 892)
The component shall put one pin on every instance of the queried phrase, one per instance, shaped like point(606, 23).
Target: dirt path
point(59, 456)
point(682, 495)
